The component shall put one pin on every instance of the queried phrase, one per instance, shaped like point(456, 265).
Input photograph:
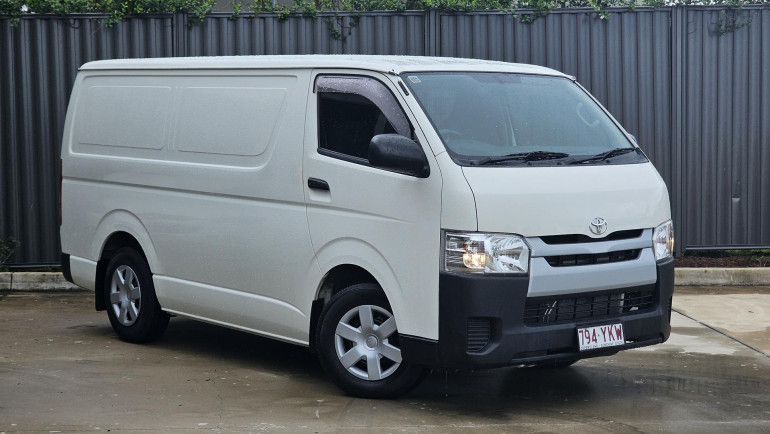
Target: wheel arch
point(115, 242)
point(344, 260)
point(119, 229)
point(122, 221)
point(335, 280)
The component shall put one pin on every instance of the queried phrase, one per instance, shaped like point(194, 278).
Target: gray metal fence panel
point(726, 153)
point(696, 100)
point(40, 59)
point(374, 33)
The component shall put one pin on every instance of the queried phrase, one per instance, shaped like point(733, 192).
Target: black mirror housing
point(399, 154)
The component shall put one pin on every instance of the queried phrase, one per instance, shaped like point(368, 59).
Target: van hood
point(539, 201)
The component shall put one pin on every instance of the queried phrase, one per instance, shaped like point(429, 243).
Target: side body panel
point(209, 183)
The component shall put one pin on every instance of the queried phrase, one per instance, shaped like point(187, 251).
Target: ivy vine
point(7, 246)
point(342, 16)
point(732, 19)
point(117, 10)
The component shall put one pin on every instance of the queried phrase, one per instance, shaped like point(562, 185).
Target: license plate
point(591, 338)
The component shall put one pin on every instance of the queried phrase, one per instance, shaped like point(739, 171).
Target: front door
point(385, 222)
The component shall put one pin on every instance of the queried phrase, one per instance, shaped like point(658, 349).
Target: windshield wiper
point(603, 156)
point(522, 156)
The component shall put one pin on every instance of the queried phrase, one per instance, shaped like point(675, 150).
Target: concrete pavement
point(742, 313)
point(62, 369)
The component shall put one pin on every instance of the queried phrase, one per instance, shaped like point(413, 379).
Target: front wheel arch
point(334, 281)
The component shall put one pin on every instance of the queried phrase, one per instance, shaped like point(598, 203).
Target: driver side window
point(351, 111)
point(347, 122)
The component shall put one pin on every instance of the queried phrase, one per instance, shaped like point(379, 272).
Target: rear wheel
point(358, 347)
point(132, 306)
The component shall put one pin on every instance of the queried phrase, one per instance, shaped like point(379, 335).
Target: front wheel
point(358, 347)
point(133, 308)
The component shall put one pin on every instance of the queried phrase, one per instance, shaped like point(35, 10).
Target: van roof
point(386, 64)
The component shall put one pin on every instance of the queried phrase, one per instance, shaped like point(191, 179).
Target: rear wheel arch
point(112, 244)
point(118, 224)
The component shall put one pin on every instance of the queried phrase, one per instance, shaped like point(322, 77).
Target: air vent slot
point(479, 334)
point(591, 259)
point(580, 238)
point(543, 310)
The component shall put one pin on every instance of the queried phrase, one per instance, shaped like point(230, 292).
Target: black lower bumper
point(481, 324)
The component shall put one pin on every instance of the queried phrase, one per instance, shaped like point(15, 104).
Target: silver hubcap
point(125, 295)
point(362, 342)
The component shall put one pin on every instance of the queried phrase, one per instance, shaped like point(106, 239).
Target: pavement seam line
point(721, 333)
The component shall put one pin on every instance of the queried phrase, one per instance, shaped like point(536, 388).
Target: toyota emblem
point(598, 226)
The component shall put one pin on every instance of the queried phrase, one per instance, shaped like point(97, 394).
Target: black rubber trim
point(403, 87)
point(502, 300)
point(315, 315)
point(65, 267)
point(602, 352)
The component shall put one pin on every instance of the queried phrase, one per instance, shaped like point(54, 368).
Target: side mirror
point(399, 154)
point(633, 137)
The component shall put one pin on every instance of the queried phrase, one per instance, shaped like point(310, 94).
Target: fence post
point(432, 32)
point(180, 35)
point(678, 77)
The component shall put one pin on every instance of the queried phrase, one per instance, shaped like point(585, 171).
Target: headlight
point(663, 241)
point(485, 253)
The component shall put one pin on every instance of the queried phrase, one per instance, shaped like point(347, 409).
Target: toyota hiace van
point(389, 213)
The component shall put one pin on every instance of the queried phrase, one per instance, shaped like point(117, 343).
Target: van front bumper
point(482, 325)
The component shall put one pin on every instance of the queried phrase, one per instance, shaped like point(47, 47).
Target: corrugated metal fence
point(693, 85)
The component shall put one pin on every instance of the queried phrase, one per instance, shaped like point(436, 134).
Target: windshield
point(501, 118)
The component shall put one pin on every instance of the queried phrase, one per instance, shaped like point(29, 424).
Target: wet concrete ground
point(62, 369)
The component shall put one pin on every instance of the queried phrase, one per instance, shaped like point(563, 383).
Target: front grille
point(478, 334)
point(591, 259)
point(543, 310)
point(579, 238)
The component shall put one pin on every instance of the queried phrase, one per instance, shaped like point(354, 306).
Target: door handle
point(317, 184)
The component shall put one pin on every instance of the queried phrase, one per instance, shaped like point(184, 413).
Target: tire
point(357, 345)
point(132, 306)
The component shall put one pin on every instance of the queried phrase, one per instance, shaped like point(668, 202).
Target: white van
point(390, 213)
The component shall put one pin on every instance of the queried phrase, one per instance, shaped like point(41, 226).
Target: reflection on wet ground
point(744, 316)
point(62, 368)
